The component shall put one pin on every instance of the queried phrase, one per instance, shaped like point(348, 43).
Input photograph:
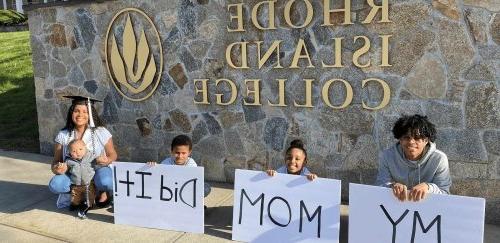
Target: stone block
point(155, 141)
point(491, 140)
point(57, 69)
point(363, 156)
point(490, 52)
point(233, 142)
point(86, 32)
point(139, 155)
point(189, 61)
point(212, 124)
point(48, 94)
point(167, 87)
point(445, 115)
point(495, 27)
point(428, 78)
point(482, 106)
point(210, 152)
point(491, 5)
point(57, 35)
point(448, 8)
point(156, 122)
point(462, 145)
point(405, 17)
point(168, 126)
point(334, 161)
point(210, 30)
point(231, 163)
point(110, 112)
point(478, 19)
point(352, 120)
point(230, 118)
point(465, 170)
point(186, 15)
point(275, 133)
point(383, 131)
point(320, 141)
point(481, 72)
point(213, 69)
point(87, 69)
point(456, 91)
point(253, 113)
point(181, 120)
point(178, 74)
point(144, 126)
point(199, 48)
point(455, 46)
point(39, 55)
point(408, 49)
point(125, 136)
point(199, 132)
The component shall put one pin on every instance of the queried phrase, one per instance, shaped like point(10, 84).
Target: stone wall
point(445, 57)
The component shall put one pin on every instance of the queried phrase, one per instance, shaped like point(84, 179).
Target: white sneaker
point(64, 200)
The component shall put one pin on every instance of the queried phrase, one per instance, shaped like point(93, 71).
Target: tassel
point(91, 118)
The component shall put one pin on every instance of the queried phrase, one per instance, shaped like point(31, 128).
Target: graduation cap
point(88, 101)
point(77, 98)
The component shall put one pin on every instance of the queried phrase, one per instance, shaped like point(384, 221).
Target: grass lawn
point(18, 116)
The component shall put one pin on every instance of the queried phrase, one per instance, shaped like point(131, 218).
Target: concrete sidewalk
point(28, 212)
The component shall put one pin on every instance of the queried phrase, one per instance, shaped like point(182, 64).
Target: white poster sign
point(375, 215)
point(285, 208)
point(162, 196)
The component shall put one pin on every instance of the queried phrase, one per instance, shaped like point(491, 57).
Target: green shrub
point(11, 17)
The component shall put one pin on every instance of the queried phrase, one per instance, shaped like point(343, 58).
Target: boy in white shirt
point(180, 150)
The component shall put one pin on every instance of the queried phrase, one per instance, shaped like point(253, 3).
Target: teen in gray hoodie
point(414, 163)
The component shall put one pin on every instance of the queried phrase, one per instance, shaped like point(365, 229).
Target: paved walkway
point(28, 212)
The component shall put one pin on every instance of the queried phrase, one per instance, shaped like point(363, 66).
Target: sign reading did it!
point(162, 197)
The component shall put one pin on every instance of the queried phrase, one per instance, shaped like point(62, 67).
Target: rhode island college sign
point(134, 55)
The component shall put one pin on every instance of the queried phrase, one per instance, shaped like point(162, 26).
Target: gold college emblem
point(134, 67)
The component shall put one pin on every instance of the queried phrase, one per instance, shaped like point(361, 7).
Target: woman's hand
point(271, 172)
point(311, 176)
point(109, 154)
point(59, 168)
point(151, 163)
point(418, 192)
point(103, 160)
point(399, 190)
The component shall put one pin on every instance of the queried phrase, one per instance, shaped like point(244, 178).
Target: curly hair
point(69, 120)
point(416, 126)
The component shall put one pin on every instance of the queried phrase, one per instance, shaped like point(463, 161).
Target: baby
point(81, 173)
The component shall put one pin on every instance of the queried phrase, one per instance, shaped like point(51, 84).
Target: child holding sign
point(180, 150)
point(295, 161)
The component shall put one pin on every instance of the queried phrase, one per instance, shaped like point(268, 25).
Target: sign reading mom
point(162, 196)
point(285, 208)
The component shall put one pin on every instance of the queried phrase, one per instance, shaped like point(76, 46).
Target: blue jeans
point(103, 180)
